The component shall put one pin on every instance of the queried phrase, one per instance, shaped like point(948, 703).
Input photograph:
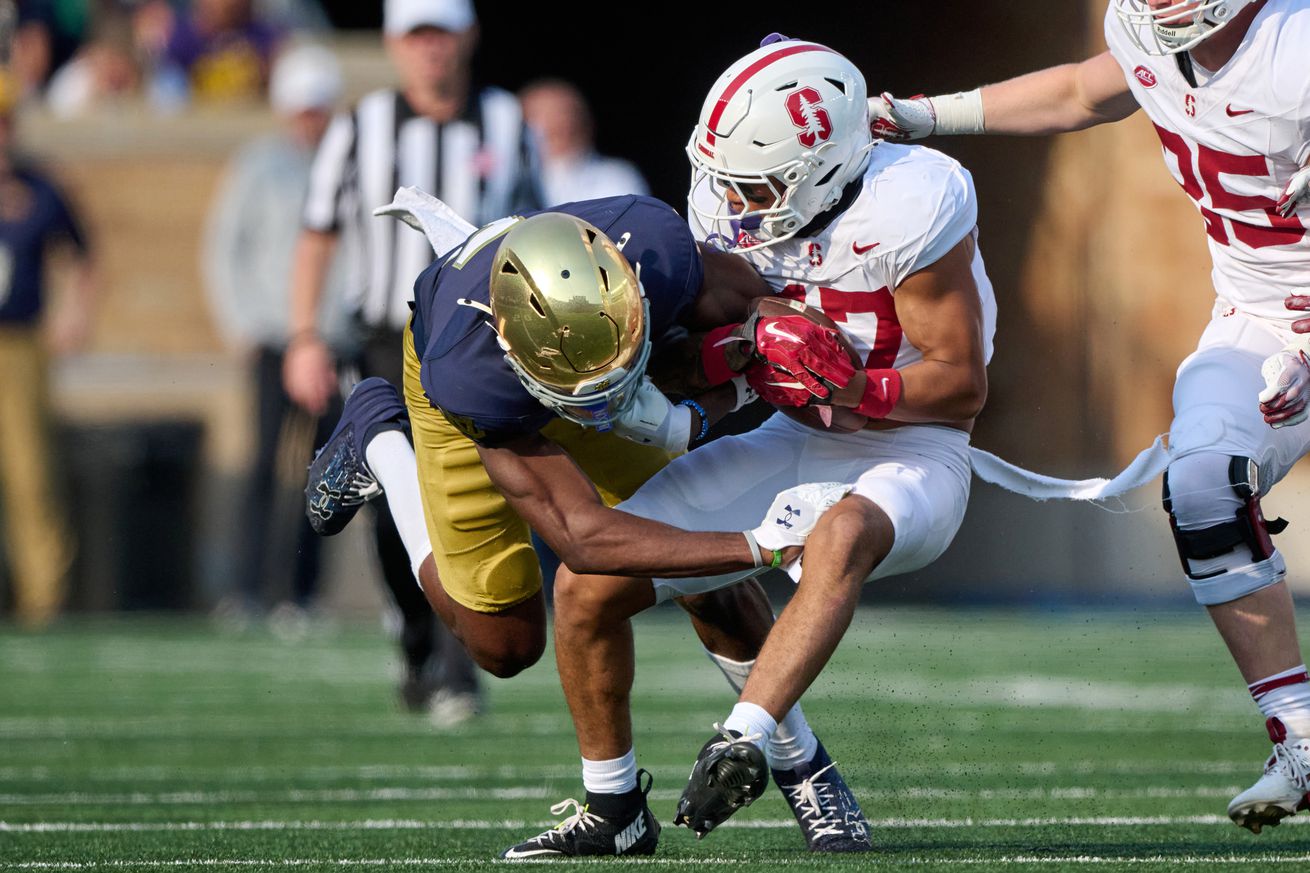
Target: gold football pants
point(36, 541)
point(482, 548)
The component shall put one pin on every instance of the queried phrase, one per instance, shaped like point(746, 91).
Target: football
point(843, 419)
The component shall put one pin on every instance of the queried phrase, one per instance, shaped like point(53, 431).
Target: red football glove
point(777, 387)
point(807, 353)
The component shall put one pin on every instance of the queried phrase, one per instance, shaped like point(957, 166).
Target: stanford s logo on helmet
point(806, 109)
point(791, 117)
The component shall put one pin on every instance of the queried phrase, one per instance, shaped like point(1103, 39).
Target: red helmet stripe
point(735, 85)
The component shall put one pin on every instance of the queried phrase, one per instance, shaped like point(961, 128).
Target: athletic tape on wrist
point(754, 547)
point(958, 113)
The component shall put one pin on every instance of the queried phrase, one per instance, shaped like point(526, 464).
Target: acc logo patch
point(1145, 76)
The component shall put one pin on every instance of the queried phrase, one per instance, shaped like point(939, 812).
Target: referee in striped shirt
point(464, 144)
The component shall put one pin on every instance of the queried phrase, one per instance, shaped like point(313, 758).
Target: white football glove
point(897, 120)
point(795, 512)
point(1287, 386)
point(1296, 194)
point(653, 420)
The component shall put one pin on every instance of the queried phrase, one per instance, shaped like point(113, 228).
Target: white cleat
point(1283, 790)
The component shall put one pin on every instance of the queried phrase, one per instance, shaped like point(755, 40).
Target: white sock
point(615, 776)
point(751, 722)
point(1286, 697)
point(793, 742)
point(391, 458)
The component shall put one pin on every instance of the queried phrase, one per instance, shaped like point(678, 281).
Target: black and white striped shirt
point(481, 164)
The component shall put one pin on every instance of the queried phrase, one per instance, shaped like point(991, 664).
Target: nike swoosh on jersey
point(1233, 113)
point(774, 330)
point(859, 249)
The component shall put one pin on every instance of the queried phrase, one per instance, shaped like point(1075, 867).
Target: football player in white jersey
point(1227, 85)
point(883, 238)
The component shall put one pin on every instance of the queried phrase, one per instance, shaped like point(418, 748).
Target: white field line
point(1061, 861)
point(541, 792)
point(61, 730)
point(76, 827)
point(464, 773)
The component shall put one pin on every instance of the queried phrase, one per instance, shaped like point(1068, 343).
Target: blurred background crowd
point(175, 317)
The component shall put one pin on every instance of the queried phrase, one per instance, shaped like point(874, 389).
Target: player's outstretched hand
point(796, 511)
point(1297, 193)
point(1287, 386)
point(897, 120)
point(1299, 303)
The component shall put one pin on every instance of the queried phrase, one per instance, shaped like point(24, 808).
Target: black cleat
point(824, 806)
point(339, 478)
point(589, 833)
point(729, 773)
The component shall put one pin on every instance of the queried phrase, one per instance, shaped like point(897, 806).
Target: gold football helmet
point(571, 317)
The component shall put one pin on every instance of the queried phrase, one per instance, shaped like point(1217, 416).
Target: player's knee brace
point(1223, 540)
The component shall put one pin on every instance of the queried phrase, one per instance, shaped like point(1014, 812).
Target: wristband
point(777, 559)
point(714, 356)
point(882, 388)
point(704, 419)
point(745, 393)
point(754, 547)
point(958, 113)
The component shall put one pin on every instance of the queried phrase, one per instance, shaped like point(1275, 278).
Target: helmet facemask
point(1178, 27)
point(752, 227)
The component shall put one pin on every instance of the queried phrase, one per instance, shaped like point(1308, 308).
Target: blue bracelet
point(704, 419)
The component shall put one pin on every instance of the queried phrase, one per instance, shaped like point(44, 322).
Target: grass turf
point(976, 740)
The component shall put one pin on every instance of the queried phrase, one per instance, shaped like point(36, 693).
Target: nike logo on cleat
point(628, 837)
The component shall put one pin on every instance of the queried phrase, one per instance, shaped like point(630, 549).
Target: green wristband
point(777, 559)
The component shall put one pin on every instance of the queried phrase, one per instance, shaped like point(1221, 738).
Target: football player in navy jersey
point(529, 407)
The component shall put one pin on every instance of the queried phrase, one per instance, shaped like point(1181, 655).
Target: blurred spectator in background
point(105, 71)
point(35, 219)
point(570, 167)
point(49, 33)
point(464, 144)
point(251, 235)
point(219, 51)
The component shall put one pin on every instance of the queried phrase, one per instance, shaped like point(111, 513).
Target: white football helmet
point(792, 116)
point(1177, 27)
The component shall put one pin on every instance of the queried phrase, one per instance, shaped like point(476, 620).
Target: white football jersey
point(916, 204)
point(1233, 143)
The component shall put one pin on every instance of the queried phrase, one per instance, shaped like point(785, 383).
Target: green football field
point(976, 740)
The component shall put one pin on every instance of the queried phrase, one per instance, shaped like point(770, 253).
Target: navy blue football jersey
point(464, 372)
point(34, 217)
